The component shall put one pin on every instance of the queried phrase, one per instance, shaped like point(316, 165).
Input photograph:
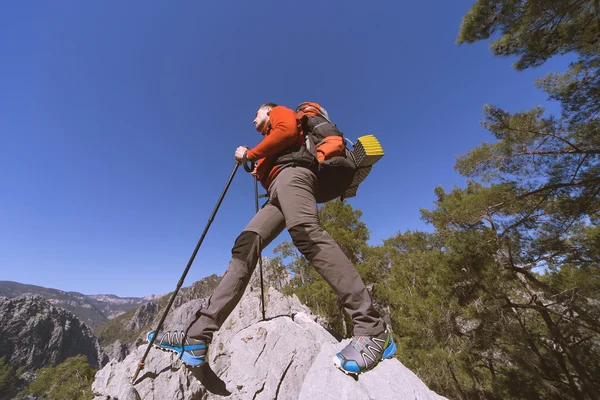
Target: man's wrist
point(245, 157)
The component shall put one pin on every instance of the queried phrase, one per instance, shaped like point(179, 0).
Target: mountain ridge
point(93, 310)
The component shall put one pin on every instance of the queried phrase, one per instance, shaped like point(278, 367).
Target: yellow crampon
point(366, 152)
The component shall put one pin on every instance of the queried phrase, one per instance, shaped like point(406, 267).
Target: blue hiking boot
point(192, 352)
point(364, 352)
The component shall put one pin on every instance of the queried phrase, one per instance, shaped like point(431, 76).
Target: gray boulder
point(35, 334)
point(117, 351)
point(143, 316)
point(287, 356)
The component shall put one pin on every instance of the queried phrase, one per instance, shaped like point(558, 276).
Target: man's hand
point(253, 173)
point(239, 154)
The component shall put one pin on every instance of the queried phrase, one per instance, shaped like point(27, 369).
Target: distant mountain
point(93, 310)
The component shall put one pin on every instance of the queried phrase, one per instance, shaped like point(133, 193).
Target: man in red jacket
point(288, 171)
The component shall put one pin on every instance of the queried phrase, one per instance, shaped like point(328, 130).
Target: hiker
point(289, 173)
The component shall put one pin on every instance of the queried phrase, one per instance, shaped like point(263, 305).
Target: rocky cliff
point(35, 334)
point(286, 356)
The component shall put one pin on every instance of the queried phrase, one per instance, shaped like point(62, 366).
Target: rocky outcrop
point(117, 351)
point(201, 289)
point(35, 334)
point(287, 356)
point(144, 315)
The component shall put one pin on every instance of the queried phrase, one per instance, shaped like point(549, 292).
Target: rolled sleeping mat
point(366, 152)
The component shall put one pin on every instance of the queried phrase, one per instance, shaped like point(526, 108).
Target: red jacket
point(283, 132)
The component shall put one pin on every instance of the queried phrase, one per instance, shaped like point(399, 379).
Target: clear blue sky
point(119, 120)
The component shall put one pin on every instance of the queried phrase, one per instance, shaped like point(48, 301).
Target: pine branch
point(555, 186)
point(550, 153)
point(578, 167)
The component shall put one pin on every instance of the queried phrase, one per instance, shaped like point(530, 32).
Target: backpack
point(336, 165)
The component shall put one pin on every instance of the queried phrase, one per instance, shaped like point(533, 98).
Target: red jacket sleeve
point(284, 133)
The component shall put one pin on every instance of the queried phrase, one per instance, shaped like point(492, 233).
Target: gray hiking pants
point(291, 205)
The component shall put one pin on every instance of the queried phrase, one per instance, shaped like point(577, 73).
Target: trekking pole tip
point(137, 371)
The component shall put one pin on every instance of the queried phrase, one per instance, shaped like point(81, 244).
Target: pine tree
point(538, 218)
point(70, 380)
point(8, 378)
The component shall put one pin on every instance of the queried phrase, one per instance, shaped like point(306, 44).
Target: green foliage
point(545, 171)
point(275, 274)
point(533, 29)
point(471, 315)
point(70, 380)
point(113, 330)
point(344, 225)
point(8, 378)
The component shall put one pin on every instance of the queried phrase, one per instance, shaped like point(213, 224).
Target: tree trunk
point(542, 362)
point(588, 385)
point(456, 385)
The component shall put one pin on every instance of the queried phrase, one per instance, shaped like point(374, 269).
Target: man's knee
point(245, 244)
point(303, 238)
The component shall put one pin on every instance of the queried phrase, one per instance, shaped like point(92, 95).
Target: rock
point(287, 356)
point(163, 377)
point(180, 317)
point(143, 316)
point(201, 289)
point(35, 334)
point(25, 397)
point(390, 380)
point(116, 351)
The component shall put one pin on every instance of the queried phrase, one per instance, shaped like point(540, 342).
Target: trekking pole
point(260, 264)
point(249, 167)
point(187, 268)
